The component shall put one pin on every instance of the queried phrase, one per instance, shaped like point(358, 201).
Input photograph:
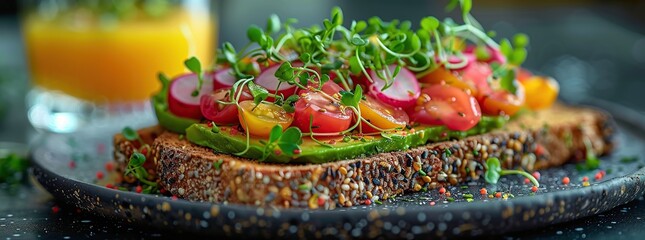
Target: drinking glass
point(95, 62)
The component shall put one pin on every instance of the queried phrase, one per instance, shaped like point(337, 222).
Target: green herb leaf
point(506, 48)
point(493, 168)
point(508, 81)
point(352, 99)
point(337, 16)
point(195, 67)
point(518, 56)
point(354, 65)
point(273, 24)
point(255, 34)
point(229, 53)
point(429, 23)
point(360, 26)
point(358, 41)
point(290, 141)
point(12, 169)
point(466, 6)
point(292, 135)
point(482, 53)
point(137, 159)
point(290, 102)
point(130, 134)
point(305, 58)
point(276, 133)
point(285, 72)
point(259, 93)
point(520, 40)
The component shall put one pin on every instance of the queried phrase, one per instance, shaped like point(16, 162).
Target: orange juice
point(116, 62)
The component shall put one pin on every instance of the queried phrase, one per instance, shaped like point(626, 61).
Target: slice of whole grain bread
point(531, 142)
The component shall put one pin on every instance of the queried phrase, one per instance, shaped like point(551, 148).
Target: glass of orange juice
point(96, 62)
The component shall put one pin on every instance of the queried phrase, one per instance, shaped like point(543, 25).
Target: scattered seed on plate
point(534, 188)
point(99, 175)
point(566, 180)
point(442, 190)
point(598, 176)
point(585, 179)
point(483, 191)
point(109, 166)
point(55, 209)
point(498, 195)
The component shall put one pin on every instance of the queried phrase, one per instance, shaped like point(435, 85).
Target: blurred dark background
point(594, 48)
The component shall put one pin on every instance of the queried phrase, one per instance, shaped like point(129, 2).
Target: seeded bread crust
point(534, 141)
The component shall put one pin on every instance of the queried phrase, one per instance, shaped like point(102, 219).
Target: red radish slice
point(223, 79)
point(403, 92)
point(220, 113)
point(268, 80)
point(181, 102)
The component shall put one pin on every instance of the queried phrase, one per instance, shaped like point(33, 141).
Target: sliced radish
point(181, 102)
point(268, 80)
point(223, 79)
point(403, 92)
point(221, 113)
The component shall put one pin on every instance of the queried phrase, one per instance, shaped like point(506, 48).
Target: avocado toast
point(196, 173)
point(334, 116)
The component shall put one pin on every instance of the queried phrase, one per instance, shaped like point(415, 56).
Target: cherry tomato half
point(329, 87)
point(260, 119)
point(381, 115)
point(446, 105)
point(502, 102)
point(476, 75)
point(444, 76)
point(328, 115)
point(221, 113)
point(540, 91)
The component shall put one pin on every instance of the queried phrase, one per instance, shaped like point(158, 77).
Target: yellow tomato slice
point(259, 120)
point(540, 92)
point(382, 115)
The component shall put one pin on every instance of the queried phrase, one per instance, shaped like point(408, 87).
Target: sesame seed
point(416, 166)
point(342, 170)
point(426, 179)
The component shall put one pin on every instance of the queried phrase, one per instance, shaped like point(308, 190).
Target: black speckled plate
point(417, 215)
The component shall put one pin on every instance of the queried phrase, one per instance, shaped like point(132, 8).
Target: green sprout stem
point(520, 172)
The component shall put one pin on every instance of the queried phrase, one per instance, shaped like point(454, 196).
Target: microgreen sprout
point(195, 67)
point(135, 168)
point(591, 161)
point(288, 142)
point(369, 49)
point(494, 171)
